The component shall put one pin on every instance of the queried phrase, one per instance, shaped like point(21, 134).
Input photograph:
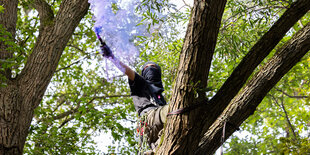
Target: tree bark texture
point(246, 102)
point(24, 93)
point(182, 132)
point(248, 64)
point(256, 55)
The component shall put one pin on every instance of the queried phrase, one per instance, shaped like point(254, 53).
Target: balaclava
point(152, 75)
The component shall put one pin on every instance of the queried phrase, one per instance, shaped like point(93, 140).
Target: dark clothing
point(152, 75)
point(148, 101)
point(140, 95)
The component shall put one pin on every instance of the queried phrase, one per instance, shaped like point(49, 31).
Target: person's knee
point(163, 113)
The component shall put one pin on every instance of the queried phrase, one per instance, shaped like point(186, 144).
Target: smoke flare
point(116, 22)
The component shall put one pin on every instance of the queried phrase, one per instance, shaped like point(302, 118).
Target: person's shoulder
point(138, 77)
point(138, 80)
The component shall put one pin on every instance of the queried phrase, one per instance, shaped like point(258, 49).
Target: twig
point(292, 96)
point(285, 112)
point(287, 118)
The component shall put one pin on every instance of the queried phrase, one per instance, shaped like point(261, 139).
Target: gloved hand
point(106, 51)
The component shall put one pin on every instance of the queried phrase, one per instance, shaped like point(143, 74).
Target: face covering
point(152, 75)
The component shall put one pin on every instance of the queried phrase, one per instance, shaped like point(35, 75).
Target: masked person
point(146, 91)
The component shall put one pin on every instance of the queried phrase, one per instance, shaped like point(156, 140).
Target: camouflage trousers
point(155, 120)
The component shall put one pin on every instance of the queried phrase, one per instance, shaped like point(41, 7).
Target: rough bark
point(11, 136)
point(182, 132)
point(23, 94)
point(245, 103)
point(256, 55)
point(9, 102)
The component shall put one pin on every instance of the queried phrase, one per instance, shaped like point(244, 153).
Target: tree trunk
point(24, 93)
point(183, 133)
point(10, 107)
point(13, 122)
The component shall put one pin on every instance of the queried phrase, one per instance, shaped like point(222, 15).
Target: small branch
point(76, 62)
point(65, 114)
point(66, 121)
point(76, 47)
point(287, 118)
point(275, 100)
point(252, 9)
point(61, 101)
point(104, 97)
point(186, 4)
point(286, 115)
point(292, 96)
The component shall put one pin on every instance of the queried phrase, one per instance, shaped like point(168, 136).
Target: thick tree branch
point(8, 18)
point(245, 103)
point(195, 62)
point(255, 56)
point(52, 40)
point(45, 12)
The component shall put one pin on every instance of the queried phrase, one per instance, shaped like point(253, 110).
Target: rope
point(223, 134)
point(186, 109)
point(223, 138)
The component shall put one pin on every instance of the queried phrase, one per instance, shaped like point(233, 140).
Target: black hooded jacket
point(146, 88)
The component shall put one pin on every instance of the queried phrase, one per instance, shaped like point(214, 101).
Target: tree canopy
point(49, 51)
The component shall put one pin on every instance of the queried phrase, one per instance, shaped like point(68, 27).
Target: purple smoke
point(118, 27)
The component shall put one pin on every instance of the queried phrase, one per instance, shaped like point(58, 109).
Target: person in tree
point(146, 91)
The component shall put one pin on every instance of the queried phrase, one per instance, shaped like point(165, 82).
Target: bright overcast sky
point(181, 3)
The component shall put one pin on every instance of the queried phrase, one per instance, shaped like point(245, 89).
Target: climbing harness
point(142, 138)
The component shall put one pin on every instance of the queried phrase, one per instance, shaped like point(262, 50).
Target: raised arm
point(124, 68)
point(107, 53)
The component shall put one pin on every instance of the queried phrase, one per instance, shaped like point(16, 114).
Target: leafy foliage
point(280, 123)
point(1, 8)
point(80, 103)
